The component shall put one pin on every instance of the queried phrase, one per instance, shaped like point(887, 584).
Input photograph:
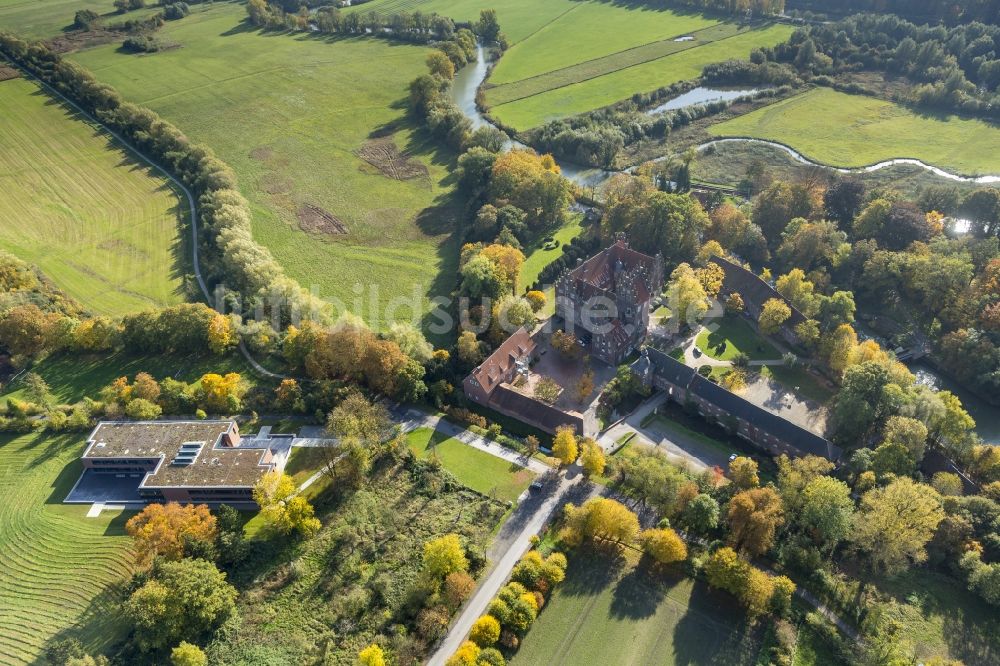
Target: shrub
point(485, 631)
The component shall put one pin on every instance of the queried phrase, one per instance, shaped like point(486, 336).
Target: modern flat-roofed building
point(181, 461)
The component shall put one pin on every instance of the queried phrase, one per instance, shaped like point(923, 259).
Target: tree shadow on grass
point(591, 570)
point(638, 594)
point(714, 630)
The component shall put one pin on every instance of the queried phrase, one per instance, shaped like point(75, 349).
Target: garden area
point(726, 337)
point(473, 468)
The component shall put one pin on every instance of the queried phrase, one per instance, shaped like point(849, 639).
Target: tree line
point(230, 257)
point(950, 12)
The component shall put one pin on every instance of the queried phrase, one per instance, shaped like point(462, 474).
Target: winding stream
point(469, 78)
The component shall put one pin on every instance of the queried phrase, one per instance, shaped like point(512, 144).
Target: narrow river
point(469, 78)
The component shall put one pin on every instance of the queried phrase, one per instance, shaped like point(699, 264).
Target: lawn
point(291, 113)
point(473, 468)
point(73, 377)
point(731, 336)
point(854, 131)
point(103, 227)
point(616, 614)
point(600, 91)
point(59, 567)
point(539, 254)
point(800, 381)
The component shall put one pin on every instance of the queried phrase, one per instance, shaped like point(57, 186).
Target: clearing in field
point(59, 567)
point(591, 85)
point(345, 191)
point(615, 613)
point(101, 225)
point(855, 130)
point(473, 468)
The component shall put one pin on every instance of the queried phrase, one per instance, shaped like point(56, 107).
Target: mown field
point(38, 20)
point(476, 469)
point(59, 567)
point(105, 228)
point(618, 76)
point(616, 614)
point(854, 130)
point(292, 113)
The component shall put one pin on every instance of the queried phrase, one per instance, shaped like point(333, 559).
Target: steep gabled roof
point(491, 372)
point(598, 274)
point(752, 288)
point(509, 401)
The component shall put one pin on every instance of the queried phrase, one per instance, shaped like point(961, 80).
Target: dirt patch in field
point(384, 155)
point(119, 246)
point(314, 219)
point(81, 39)
point(272, 183)
point(261, 153)
point(8, 73)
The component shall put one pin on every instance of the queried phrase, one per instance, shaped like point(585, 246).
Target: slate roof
point(546, 417)
point(596, 276)
point(752, 288)
point(680, 374)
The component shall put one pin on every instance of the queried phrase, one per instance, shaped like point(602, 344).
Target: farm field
point(617, 84)
point(473, 468)
point(59, 567)
point(316, 130)
point(38, 20)
point(854, 130)
point(612, 613)
point(518, 18)
point(103, 227)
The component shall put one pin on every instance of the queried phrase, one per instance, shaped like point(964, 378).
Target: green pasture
point(60, 568)
point(610, 612)
point(518, 18)
point(592, 30)
point(589, 69)
point(593, 93)
point(290, 112)
point(105, 228)
point(854, 130)
point(34, 19)
point(473, 468)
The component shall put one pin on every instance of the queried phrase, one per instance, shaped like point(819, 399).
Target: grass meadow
point(473, 468)
point(103, 227)
point(616, 613)
point(290, 113)
point(591, 93)
point(38, 20)
point(60, 568)
point(731, 336)
point(854, 130)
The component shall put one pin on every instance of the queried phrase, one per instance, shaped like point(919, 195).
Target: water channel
point(469, 78)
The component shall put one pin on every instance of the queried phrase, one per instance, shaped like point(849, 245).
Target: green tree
point(183, 598)
point(894, 524)
point(743, 471)
point(443, 556)
point(773, 315)
point(754, 517)
point(827, 510)
point(187, 654)
point(701, 514)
